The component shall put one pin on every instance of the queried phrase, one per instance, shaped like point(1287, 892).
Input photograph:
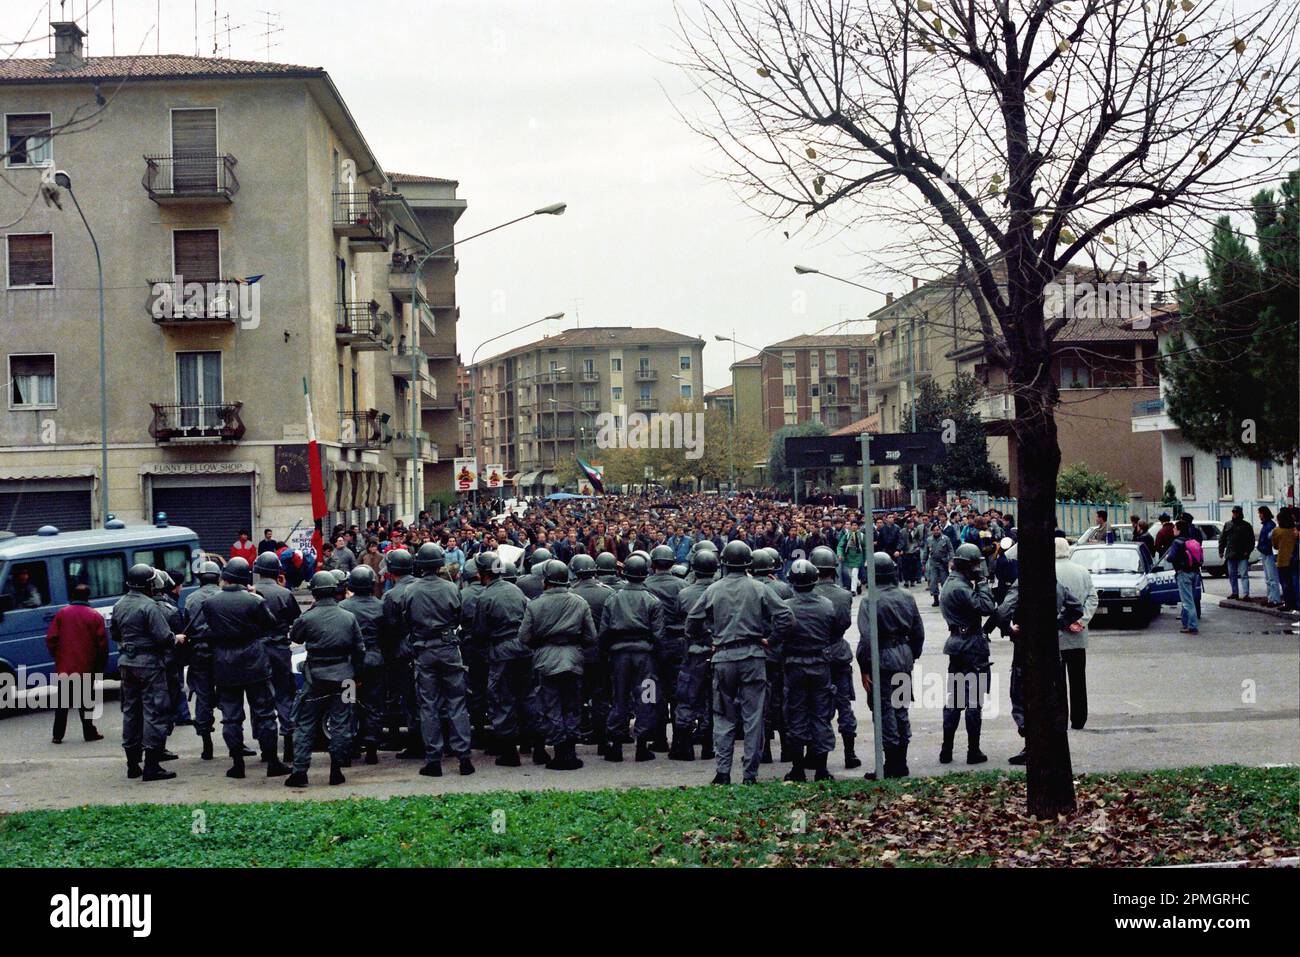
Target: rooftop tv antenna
point(271, 25)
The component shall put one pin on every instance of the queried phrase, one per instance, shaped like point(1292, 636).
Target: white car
point(1214, 563)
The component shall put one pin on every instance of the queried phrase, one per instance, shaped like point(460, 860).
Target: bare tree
point(1003, 140)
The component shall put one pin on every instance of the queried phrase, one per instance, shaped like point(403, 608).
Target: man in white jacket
point(1074, 643)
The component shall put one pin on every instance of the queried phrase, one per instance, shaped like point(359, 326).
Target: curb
point(1258, 862)
point(1259, 609)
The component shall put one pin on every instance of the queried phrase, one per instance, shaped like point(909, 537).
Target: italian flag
point(319, 508)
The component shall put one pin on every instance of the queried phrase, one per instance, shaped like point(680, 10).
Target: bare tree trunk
point(1050, 775)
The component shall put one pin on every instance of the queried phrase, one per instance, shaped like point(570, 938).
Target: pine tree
point(966, 462)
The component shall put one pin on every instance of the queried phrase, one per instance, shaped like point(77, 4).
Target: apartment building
point(538, 406)
point(820, 378)
point(250, 239)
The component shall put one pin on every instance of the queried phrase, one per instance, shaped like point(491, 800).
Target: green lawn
point(1192, 814)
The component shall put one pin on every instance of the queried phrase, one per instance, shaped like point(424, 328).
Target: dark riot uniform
point(774, 714)
point(666, 586)
point(474, 653)
point(284, 609)
point(531, 584)
point(197, 652)
point(595, 676)
point(694, 714)
point(806, 669)
point(964, 603)
point(174, 660)
point(558, 627)
point(841, 656)
point(611, 579)
point(739, 613)
point(901, 637)
point(335, 653)
point(143, 639)
point(400, 708)
point(498, 613)
point(430, 609)
point(631, 628)
point(234, 621)
point(1069, 609)
point(369, 613)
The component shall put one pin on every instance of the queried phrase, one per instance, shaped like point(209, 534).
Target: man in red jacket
point(244, 548)
point(79, 644)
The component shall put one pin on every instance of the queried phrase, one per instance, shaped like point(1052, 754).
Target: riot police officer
point(807, 674)
point(234, 621)
point(498, 613)
point(369, 613)
point(631, 628)
point(533, 583)
point(166, 592)
point(284, 608)
point(198, 656)
point(964, 600)
point(828, 586)
point(763, 568)
point(595, 678)
point(335, 650)
point(607, 570)
point(431, 617)
point(474, 654)
point(743, 616)
point(900, 637)
point(400, 708)
point(693, 717)
point(143, 639)
point(665, 586)
point(558, 627)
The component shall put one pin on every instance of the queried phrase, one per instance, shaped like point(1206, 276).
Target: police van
point(38, 573)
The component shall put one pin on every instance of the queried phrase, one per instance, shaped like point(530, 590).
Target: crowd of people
point(667, 622)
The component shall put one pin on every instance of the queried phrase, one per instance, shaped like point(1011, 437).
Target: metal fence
point(1077, 517)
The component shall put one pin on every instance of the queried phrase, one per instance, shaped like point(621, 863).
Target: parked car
point(1214, 563)
point(1127, 580)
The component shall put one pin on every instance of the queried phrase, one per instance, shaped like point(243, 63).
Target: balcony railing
point(589, 405)
point(1149, 407)
point(358, 217)
point(647, 375)
point(191, 178)
point(900, 368)
point(553, 377)
point(188, 300)
point(207, 422)
point(364, 430)
point(361, 325)
point(647, 405)
point(559, 433)
point(585, 376)
point(996, 407)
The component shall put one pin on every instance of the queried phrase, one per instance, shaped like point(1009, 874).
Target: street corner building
point(249, 238)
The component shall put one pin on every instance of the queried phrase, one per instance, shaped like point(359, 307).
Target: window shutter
point(194, 150)
point(31, 260)
point(28, 137)
point(198, 255)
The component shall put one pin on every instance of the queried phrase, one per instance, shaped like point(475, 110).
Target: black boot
point(851, 759)
point(288, 748)
point(89, 732)
point(706, 748)
point(602, 746)
point(786, 755)
point(432, 769)
point(721, 778)
point(819, 769)
point(236, 765)
point(540, 754)
point(1021, 758)
point(296, 780)
point(945, 752)
point(766, 757)
point(683, 748)
point(153, 770)
point(900, 761)
point(372, 754)
point(336, 771)
point(796, 772)
point(246, 752)
point(660, 742)
point(973, 753)
point(165, 755)
point(508, 757)
point(274, 768)
point(414, 750)
point(206, 738)
point(566, 758)
point(133, 762)
point(614, 751)
point(466, 766)
point(643, 751)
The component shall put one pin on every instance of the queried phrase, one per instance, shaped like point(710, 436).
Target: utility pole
point(917, 499)
point(868, 501)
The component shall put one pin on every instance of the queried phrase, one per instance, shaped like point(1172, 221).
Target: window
point(814, 390)
point(27, 139)
point(194, 151)
point(105, 574)
point(686, 390)
point(686, 363)
point(645, 393)
point(616, 364)
point(616, 393)
point(196, 255)
point(28, 585)
point(789, 391)
point(832, 361)
point(1264, 480)
point(588, 366)
point(31, 382)
point(173, 558)
point(643, 365)
point(1074, 374)
point(198, 388)
point(1224, 472)
point(31, 259)
point(1187, 476)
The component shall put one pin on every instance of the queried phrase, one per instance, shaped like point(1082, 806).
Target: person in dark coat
point(78, 642)
point(806, 671)
point(369, 613)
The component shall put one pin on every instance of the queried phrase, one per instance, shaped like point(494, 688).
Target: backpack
point(1195, 553)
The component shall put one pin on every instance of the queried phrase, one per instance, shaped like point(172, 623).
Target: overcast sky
point(527, 103)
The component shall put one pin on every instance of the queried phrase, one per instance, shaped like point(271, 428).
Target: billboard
point(464, 474)
point(495, 475)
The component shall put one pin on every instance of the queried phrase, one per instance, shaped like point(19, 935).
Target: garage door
point(25, 510)
point(216, 513)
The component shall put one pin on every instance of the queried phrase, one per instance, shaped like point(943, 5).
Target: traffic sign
point(891, 448)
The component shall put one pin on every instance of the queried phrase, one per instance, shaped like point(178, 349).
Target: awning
point(545, 479)
point(32, 473)
point(526, 478)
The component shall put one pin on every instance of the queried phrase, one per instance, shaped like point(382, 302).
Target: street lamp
point(811, 271)
point(64, 181)
point(555, 209)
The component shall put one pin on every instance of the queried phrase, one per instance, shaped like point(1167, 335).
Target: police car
point(1128, 582)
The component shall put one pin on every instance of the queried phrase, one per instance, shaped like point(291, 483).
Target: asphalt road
point(1156, 698)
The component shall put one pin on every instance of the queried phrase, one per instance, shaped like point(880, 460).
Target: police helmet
point(538, 556)
point(968, 552)
point(237, 571)
point(635, 568)
point(762, 562)
point(430, 555)
point(606, 562)
point(209, 573)
point(803, 575)
point(737, 555)
point(162, 582)
point(323, 585)
point(823, 559)
point(661, 556)
point(361, 580)
point(583, 566)
point(398, 561)
point(140, 577)
point(886, 570)
point(680, 570)
point(509, 572)
point(487, 563)
point(555, 572)
point(267, 565)
point(705, 563)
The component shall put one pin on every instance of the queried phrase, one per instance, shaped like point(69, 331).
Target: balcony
point(187, 178)
point(562, 432)
point(589, 405)
point(996, 407)
point(357, 216)
point(647, 375)
point(646, 405)
point(585, 376)
point(1151, 415)
point(403, 280)
point(406, 443)
point(213, 422)
point(897, 369)
point(362, 326)
point(553, 378)
point(408, 363)
point(364, 430)
point(218, 301)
